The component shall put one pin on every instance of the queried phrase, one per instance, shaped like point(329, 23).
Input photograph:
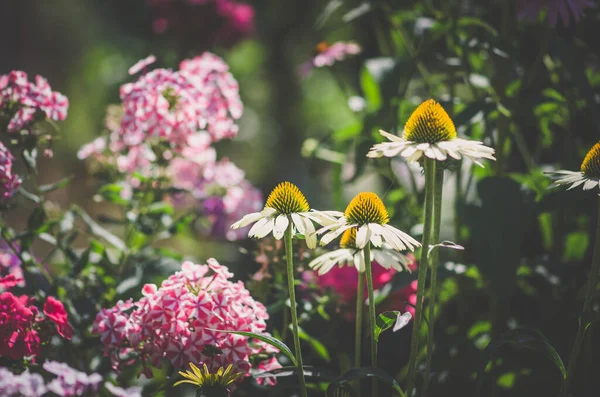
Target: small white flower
point(286, 204)
point(402, 321)
point(367, 213)
point(430, 132)
point(588, 177)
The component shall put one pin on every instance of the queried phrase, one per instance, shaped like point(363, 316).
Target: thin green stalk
point(433, 265)
point(429, 166)
point(372, 315)
point(584, 320)
point(360, 303)
point(290, 276)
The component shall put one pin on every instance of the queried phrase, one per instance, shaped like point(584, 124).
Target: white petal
point(247, 219)
point(402, 321)
point(440, 154)
point(423, 146)
point(363, 235)
point(590, 184)
point(391, 137)
point(376, 239)
point(268, 211)
point(297, 220)
point(359, 261)
point(281, 224)
point(262, 228)
point(405, 238)
point(310, 235)
point(329, 237)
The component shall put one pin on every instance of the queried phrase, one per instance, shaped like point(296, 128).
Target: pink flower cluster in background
point(327, 55)
point(70, 382)
point(342, 280)
point(176, 322)
point(10, 265)
point(565, 9)
point(23, 328)
point(165, 129)
point(216, 20)
point(9, 182)
point(20, 99)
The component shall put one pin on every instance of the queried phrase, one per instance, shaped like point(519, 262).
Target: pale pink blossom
point(142, 64)
point(327, 55)
point(9, 182)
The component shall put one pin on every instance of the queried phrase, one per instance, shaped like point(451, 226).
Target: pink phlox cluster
point(71, 382)
point(225, 195)
point(9, 182)
point(21, 99)
point(563, 9)
point(221, 93)
point(177, 322)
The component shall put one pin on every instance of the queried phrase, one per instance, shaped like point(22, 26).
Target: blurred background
point(521, 75)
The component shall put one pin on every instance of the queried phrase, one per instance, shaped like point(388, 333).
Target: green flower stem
point(429, 165)
point(360, 303)
point(584, 320)
point(372, 315)
point(290, 276)
point(433, 265)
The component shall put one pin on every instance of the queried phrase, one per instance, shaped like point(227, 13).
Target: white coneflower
point(285, 204)
point(429, 131)
point(367, 213)
point(350, 255)
point(588, 177)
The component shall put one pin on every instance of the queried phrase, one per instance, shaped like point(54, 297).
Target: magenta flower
point(9, 182)
point(177, 322)
point(327, 55)
point(565, 9)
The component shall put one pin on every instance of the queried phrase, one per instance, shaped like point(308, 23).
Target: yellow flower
point(217, 382)
point(429, 131)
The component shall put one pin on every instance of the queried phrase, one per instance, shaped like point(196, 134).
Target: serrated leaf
point(268, 339)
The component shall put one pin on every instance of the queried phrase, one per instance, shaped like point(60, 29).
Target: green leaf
point(267, 339)
point(112, 193)
point(524, 338)
point(316, 345)
point(364, 372)
point(309, 372)
point(56, 185)
point(384, 322)
point(99, 231)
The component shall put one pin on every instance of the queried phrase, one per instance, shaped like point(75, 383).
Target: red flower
point(55, 311)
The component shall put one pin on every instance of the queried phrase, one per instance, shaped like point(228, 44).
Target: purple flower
point(9, 182)
point(71, 382)
point(327, 55)
point(134, 391)
point(23, 385)
point(530, 9)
